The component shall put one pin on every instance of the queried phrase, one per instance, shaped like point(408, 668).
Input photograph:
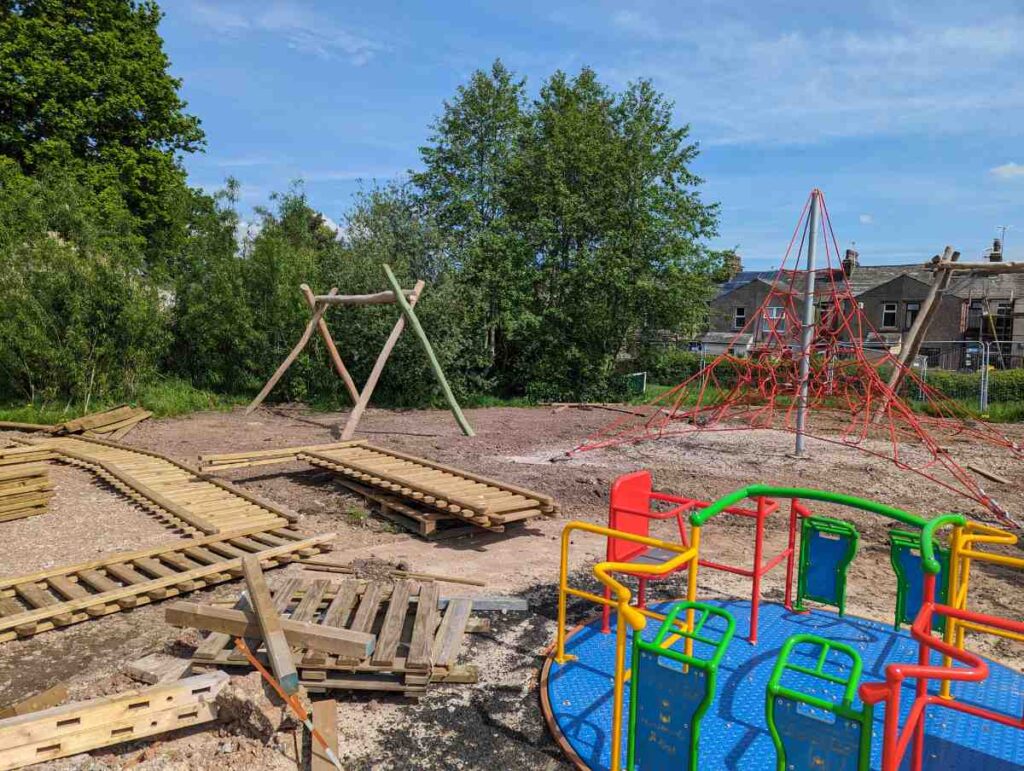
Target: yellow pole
point(691, 585)
point(563, 586)
point(620, 679)
point(952, 591)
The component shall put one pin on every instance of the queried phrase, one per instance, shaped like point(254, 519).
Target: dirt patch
point(495, 723)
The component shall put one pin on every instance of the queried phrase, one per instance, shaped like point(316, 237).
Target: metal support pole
point(986, 357)
point(807, 338)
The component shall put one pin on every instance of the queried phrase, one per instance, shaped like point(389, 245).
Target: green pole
point(410, 316)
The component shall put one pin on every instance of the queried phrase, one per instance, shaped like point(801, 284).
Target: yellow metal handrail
point(962, 552)
point(627, 614)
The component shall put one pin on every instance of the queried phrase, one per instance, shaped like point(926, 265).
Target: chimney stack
point(849, 262)
point(996, 255)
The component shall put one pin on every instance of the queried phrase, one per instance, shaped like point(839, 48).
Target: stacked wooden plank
point(416, 642)
point(417, 493)
point(111, 424)
point(13, 456)
point(25, 490)
point(67, 595)
point(75, 728)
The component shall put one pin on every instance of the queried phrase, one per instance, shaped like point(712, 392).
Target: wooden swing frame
point(406, 301)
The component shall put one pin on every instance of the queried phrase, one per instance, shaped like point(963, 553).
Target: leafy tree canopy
point(84, 86)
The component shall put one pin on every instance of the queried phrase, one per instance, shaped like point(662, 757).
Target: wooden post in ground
point(332, 349)
point(378, 367)
point(918, 330)
point(291, 357)
point(278, 651)
point(414, 322)
point(325, 721)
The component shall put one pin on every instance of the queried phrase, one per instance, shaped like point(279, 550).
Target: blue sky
point(909, 115)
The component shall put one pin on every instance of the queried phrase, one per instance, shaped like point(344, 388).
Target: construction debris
point(416, 490)
point(89, 725)
point(364, 568)
point(158, 668)
point(112, 424)
point(416, 643)
point(245, 706)
point(51, 697)
point(25, 490)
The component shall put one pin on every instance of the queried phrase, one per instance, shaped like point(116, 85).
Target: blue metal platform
point(735, 734)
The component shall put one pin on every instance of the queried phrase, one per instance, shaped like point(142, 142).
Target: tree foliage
point(84, 86)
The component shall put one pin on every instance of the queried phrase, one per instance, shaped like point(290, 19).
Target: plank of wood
point(422, 642)
point(369, 604)
point(342, 642)
point(51, 697)
point(509, 604)
point(397, 573)
point(310, 601)
point(325, 721)
point(332, 349)
point(75, 728)
point(338, 611)
point(394, 622)
point(446, 647)
point(158, 668)
point(278, 650)
point(990, 475)
point(95, 419)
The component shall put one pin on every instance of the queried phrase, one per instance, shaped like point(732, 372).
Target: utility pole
point(807, 339)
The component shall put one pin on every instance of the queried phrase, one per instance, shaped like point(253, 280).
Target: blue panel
point(826, 552)
point(910, 562)
point(668, 700)
point(734, 734)
point(813, 743)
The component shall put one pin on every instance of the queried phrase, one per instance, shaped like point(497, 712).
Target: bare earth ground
point(496, 723)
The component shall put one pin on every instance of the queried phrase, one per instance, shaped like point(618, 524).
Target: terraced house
point(974, 312)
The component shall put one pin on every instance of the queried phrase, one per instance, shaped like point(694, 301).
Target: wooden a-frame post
point(406, 301)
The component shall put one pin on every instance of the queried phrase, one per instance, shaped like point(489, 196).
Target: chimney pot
point(849, 262)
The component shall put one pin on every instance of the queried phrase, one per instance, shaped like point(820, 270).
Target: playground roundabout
point(700, 683)
point(576, 696)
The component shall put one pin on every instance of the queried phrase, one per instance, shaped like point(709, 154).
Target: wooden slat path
point(183, 497)
point(61, 596)
point(416, 642)
point(408, 487)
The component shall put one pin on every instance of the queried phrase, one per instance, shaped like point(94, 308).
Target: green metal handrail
point(928, 526)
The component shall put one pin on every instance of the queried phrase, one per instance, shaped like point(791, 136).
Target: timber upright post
point(807, 337)
point(417, 328)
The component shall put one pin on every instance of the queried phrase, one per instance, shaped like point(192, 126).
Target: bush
point(667, 365)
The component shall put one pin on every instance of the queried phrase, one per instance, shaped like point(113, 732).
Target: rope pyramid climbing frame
point(849, 401)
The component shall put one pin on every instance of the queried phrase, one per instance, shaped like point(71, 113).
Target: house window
point(739, 319)
point(912, 310)
point(974, 314)
point(774, 319)
point(889, 315)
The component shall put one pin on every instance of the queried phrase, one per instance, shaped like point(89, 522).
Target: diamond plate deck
point(735, 735)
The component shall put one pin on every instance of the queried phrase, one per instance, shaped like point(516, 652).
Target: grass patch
point(164, 398)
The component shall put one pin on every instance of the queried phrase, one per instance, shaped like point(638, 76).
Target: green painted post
point(410, 316)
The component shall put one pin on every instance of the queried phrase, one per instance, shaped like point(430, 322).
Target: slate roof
point(867, 277)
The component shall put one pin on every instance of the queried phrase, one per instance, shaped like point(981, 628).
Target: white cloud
point(301, 29)
point(866, 219)
point(755, 79)
point(1008, 170)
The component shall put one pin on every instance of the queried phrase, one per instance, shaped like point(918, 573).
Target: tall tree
point(85, 84)
point(462, 188)
point(603, 196)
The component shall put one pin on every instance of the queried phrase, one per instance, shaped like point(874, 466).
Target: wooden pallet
point(113, 424)
point(67, 595)
point(184, 498)
point(417, 643)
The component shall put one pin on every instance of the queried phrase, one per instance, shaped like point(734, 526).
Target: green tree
point(462, 189)
point(604, 199)
point(84, 85)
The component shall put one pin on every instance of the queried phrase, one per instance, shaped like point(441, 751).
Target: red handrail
point(974, 669)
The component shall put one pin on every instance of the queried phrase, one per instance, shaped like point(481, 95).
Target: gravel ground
point(495, 723)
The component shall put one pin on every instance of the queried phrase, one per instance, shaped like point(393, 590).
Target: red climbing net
point(849, 400)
